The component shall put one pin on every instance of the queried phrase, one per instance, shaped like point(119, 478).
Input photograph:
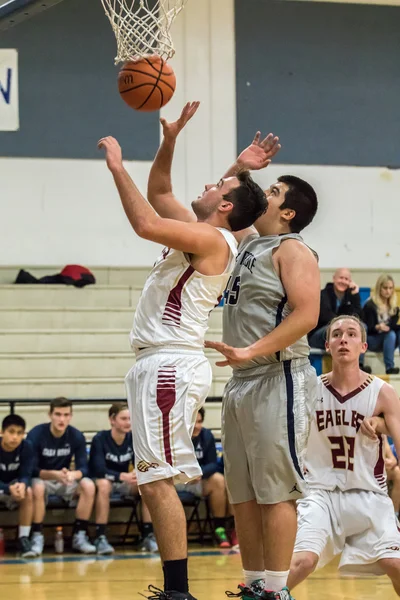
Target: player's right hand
point(260, 152)
point(113, 152)
point(172, 130)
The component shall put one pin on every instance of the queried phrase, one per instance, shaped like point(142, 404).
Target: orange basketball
point(146, 84)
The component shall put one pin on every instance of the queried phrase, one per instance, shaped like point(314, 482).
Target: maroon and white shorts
point(165, 389)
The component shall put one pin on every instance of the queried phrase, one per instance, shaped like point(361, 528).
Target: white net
point(142, 27)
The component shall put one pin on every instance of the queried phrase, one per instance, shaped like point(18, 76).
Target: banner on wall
point(9, 104)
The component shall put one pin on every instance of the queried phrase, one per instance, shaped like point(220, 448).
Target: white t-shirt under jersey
point(338, 455)
point(176, 300)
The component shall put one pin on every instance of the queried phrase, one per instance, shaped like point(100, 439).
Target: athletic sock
point(275, 581)
point(81, 525)
point(24, 531)
point(219, 522)
point(37, 527)
point(252, 576)
point(100, 529)
point(176, 575)
point(147, 528)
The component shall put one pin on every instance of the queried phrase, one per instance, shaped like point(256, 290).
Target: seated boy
point(55, 444)
point(111, 457)
point(15, 477)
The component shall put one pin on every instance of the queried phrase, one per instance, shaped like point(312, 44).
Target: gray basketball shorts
point(266, 416)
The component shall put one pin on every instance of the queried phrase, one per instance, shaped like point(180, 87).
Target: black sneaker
point(157, 594)
point(25, 548)
point(366, 369)
point(254, 592)
point(393, 371)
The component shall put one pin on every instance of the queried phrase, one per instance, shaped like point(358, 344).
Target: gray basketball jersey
point(255, 300)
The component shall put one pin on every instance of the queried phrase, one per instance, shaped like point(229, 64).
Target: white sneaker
point(37, 543)
point(81, 543)
point(103, 546)
point(149, 544)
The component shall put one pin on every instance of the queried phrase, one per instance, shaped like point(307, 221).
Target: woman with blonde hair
point(381, 315)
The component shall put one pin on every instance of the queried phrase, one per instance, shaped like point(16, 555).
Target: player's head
point(346, 339)
point(292, 204)
point(341, 280)
point(12, 431)
point(384, 294)
point(199, 422)
point(119, 416)
point(237, 201)
point(60, 414)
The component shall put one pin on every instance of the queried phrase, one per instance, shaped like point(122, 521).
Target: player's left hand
point(369, 427)
point(113, 152)
point(260, 152)
point(234, 356)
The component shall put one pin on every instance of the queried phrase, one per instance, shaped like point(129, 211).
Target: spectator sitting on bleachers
point(15, 478)
point(341, 297)
point(381, 315)
point(54, 446)
point(111, 457)
point(212, 483)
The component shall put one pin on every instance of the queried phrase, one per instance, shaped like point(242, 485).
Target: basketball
point(146, 84)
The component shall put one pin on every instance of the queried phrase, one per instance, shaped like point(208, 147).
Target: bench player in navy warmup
point(110, 465)
point(15, 477)
point(55, 444)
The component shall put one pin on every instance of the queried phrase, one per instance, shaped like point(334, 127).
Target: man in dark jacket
point(212, 483)
point(341, 297)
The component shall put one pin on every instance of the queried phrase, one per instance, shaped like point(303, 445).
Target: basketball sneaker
point(222, 538)
point(149, 543)
point(157, 594)
point(103, 546)
point(284, 594)
point(254, 592)
point(37, 543)
point(25, 548)
point(81, 543)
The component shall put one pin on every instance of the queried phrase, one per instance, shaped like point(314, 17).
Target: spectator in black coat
point(212, 483)
point(381, 315)
point(341, 297)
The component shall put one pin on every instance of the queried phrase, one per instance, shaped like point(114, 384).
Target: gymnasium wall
point(335, 111)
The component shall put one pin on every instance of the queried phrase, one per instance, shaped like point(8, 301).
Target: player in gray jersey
point(271, 303)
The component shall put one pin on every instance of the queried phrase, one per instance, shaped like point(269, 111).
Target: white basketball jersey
point(338, 455)
point(176, 301)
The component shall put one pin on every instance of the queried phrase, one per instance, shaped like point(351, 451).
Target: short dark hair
point(300, 197)
point(249, 202)
point(60, 402)
point(202, 412)
point(116, 408)
point(13, 420)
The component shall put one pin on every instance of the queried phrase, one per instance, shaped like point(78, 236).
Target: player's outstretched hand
point(172, 130)
point(113, 152)
point(234, 356)
point(260, 152)
point(371, 426)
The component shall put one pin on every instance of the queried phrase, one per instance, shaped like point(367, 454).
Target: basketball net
point(142, 27)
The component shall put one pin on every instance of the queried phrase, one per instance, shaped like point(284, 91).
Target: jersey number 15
point(231, 295)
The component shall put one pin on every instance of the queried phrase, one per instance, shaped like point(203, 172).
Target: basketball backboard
point(13, 12)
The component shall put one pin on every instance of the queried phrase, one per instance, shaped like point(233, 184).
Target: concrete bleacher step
point(71, 340)
point(60, 295)
point(68, 317)
point(78, 387)
point(375, 361)
point(70, 365)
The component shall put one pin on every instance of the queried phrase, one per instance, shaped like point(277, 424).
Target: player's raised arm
point(195, 238)
point(159, 188)
point(388, 403)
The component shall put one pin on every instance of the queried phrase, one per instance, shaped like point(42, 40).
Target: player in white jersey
point(348, 510)
point(171, 378)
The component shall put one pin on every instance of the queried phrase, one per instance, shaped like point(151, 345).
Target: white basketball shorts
point(165, 389)
point(359, 524)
